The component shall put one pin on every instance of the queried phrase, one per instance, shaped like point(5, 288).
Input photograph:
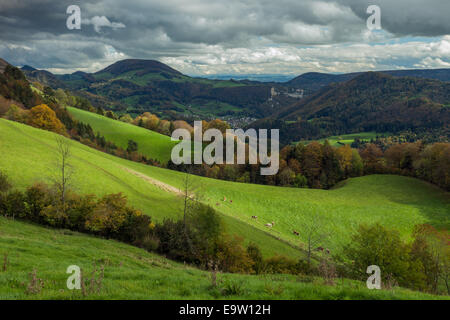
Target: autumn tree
point(43, 117)
point(372, 157)
point(312, 163)
point(344, 155)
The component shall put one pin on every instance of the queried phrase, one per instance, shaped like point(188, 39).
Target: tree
point(345, 156)
point(372, 156)
point(43, 117)
point(62, 181)
point(313, 230)
point(312, 163)
point(132, 146)
point(431, 247)
point(377, 245)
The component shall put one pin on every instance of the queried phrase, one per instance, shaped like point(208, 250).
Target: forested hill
point(135, 86)
point(370, 102)
point(314, 81)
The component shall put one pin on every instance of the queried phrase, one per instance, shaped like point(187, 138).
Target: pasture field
point(29, 155)
point(132, 273)
point(337, 141)
point(393, 201)
point(150, 143)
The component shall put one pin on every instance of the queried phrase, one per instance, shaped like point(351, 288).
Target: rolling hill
point(132, 273)
point(393, 201)
point(150, 143)
point(370, 102)
point(135, 86)
point(314, 81)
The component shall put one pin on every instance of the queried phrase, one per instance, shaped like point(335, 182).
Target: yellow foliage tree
point(43, 117)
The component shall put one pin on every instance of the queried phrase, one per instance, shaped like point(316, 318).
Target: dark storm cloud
point(34, 31)
point(408, 17)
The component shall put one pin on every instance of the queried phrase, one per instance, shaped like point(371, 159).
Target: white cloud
point(102, 22)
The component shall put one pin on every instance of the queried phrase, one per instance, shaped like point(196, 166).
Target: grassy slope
point(394, 201)
point(391, 200)
point(151, 144)
point(29, 153)
point(337, 141)
point(132, 273)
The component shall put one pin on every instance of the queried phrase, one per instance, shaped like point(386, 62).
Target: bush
point(232, 256)
point(257, 261)
point(376, 245)
point(281, 264)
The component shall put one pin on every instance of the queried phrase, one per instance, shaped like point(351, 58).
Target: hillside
point(150, 144)
point(393, 201)
point(369, 102)
point(136, 86)
point(314, 81)
point(132, 273)
point(31, 154)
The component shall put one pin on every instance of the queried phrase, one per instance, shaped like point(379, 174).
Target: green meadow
point(394, 201)
point(132, 273)
point(337, 141)
point(150, 143)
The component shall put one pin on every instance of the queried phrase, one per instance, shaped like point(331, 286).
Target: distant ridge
point(314, 81)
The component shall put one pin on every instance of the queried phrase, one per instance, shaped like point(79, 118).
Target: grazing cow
point(254, 217)
point(269, 225)
point(319, 249)
point(296, 233)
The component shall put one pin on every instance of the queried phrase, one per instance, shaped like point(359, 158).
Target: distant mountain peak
point(28, 68)
point(127, 65)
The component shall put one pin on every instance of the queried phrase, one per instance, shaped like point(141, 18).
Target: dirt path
point(157, 183)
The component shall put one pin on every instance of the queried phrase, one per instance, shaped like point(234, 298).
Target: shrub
point(37, 197)
point(281, 264)
point(108, 215)
point(257, 261)
point(376, 245)
point(232, 256)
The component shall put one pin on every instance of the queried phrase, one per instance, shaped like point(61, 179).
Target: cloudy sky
point(201, 37)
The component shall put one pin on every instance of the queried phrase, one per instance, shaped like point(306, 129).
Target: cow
point(254, 217)
point(327, 251)
point(296, 233)
point(231, 201)
point(319, 249)
point(269, 225)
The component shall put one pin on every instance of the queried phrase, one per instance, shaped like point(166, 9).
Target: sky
point(206, 37)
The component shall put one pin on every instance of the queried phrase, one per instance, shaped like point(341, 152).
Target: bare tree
point(313, 230)
point(64, 169)
point(189, 196)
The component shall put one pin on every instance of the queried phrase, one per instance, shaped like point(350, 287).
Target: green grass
point(394, 201)
point(28, 155)
point(132, 273)
point(337, 141)
point(150, 143)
